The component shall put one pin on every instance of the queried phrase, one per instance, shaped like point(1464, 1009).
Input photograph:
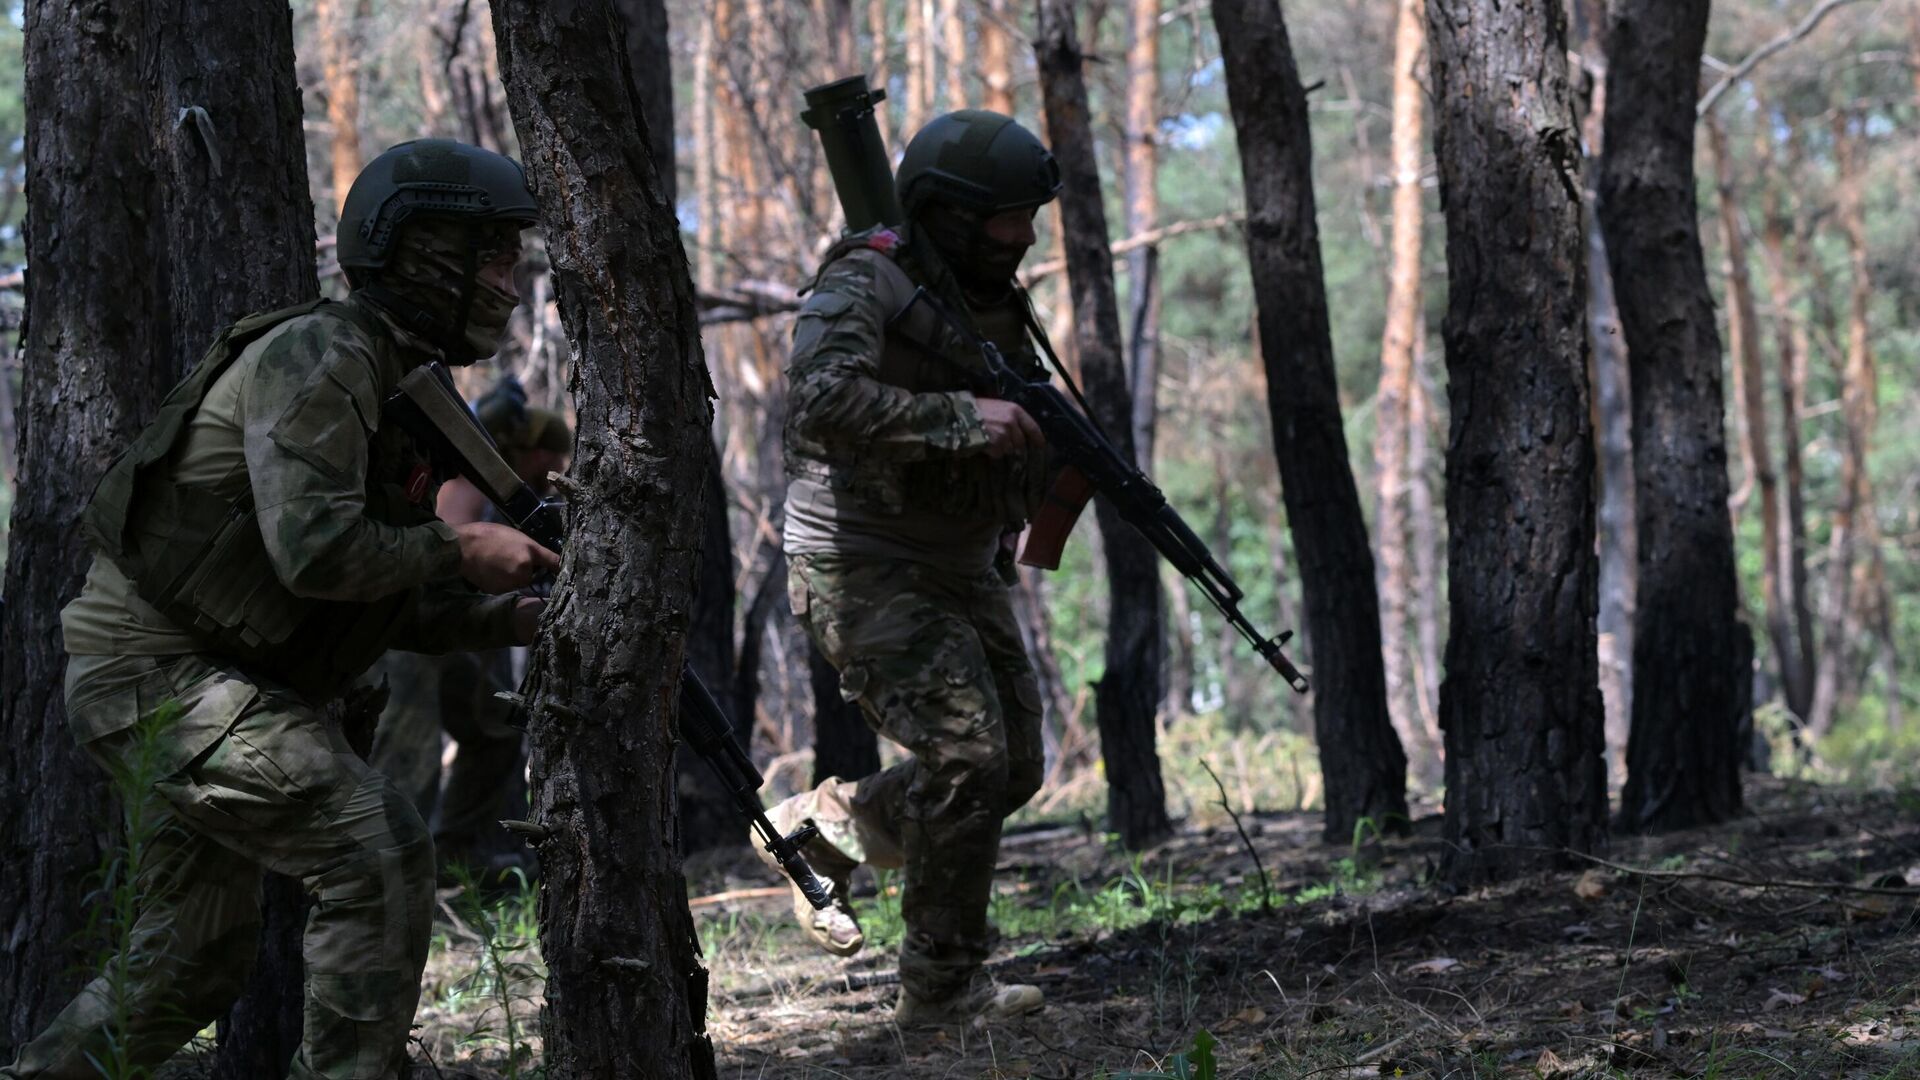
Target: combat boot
point(982, 1002)
point(833, 928)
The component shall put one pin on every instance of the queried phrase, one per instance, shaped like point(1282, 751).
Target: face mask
point(982, 263)
point(429, 268)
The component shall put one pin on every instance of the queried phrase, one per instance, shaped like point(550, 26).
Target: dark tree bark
point(1692, 657)
point(625, 983)
point(708, 818)
point(133, 214)
point(1520, 706)
point(650, 59)
point(1128, 693)
point(1360, 756)
point(707, 815)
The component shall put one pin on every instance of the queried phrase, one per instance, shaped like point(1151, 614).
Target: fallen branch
point(1746, 883)
point(738, 894)
point(1745, 67)
point(1140, 240)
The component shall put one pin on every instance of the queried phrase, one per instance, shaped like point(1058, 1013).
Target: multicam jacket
point(269, 516)
point(885, 447)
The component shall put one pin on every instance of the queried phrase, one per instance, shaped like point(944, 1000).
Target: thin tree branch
point(1145, 239)
point(1745, 67)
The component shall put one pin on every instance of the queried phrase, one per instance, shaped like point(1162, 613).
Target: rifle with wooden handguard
point(1093, 464)
point(430, 409)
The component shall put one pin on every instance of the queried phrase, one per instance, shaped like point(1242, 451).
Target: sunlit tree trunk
point(1128, 693)
point(1392, 477)
point(953, 54)
point(1142, 214)
point(917, 35)
point(339, 24)
point(1836, 677)
point(996, 57)
point(1745, 337)
point(1361, 759)
point(211, 207)
point(1521, 703)
point(624, 979)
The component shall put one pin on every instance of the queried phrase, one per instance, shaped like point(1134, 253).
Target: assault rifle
point(430, 409)
point(1094, 464)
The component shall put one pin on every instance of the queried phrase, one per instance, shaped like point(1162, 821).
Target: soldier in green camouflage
point(456, 693)
point(258, 546)
point(904, 492)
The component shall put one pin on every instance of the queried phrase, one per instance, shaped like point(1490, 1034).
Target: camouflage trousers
point(487, 779)
point(250, 779)
point(936, 662)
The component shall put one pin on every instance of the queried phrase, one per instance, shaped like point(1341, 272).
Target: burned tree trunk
point(1360, 757)
point(1521, 703)
point(1692, 657)
point(132, 148)
point(625, 983)
point(1128, 693)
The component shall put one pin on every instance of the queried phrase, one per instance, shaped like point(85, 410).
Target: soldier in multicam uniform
point(261, 543)
point(905, 491)
point(456, 692)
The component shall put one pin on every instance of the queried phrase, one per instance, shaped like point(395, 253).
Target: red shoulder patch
point(883, 241)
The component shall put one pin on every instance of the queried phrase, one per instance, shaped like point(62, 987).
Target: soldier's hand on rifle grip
point(1010, 431)
point(499, 558)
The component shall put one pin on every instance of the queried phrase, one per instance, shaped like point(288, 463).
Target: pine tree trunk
point(1128, 693)
point(1143, 214)
point(1360, 757)
point(1744, 321)
point(1791, 348)
point(707, 815)
point(996, 58)
point(116, 181)
point(1521, 703)
point(1836, 675)
point(1612, 416)
point(624, 980)
point(1392, 477)
point(339, 26)
point(1692, 656)
point(708, 818)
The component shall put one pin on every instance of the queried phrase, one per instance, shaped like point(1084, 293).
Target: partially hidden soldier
point(904, 493)
point(456, 692)
point(256, 549)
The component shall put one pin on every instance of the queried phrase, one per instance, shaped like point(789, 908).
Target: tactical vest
point(922, 354)
point(199, 558)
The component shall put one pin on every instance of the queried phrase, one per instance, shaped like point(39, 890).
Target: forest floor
point(1757, 949)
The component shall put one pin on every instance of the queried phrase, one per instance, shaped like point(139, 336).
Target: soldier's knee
point(981, 785)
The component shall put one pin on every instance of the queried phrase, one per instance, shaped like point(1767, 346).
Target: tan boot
point(983, 1002)
point(833, 928)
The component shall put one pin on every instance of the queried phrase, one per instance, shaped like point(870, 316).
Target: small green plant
point(123, 868)
point(507, 928)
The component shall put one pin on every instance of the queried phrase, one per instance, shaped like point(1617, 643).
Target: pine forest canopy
point(1824, 128)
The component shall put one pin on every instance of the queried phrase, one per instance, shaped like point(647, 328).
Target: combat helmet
point(436, 177)
point(979, 161)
